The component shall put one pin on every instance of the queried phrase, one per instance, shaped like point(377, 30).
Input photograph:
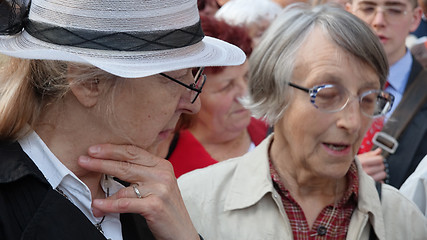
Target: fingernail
point(94, 149)
point(84, 159)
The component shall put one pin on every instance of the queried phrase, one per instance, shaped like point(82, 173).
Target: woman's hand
point(373, 164)
point(161, 203)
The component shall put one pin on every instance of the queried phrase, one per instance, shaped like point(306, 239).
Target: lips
point(336, 147)
point(240, 110)
point(382, 38)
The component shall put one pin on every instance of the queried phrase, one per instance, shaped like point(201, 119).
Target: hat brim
point(208, 52)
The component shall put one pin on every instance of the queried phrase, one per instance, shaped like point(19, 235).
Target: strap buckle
point(385, 141)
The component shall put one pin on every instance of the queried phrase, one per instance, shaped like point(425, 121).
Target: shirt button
point(321, 231)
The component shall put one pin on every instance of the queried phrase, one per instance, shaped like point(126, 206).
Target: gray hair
point(272, 61)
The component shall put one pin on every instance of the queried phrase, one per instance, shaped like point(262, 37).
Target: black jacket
point(412, 142)
point(31, 209)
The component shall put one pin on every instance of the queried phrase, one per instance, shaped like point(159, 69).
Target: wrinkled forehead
point(320, 51)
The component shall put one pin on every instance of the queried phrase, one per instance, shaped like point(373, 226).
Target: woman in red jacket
point(223, 128)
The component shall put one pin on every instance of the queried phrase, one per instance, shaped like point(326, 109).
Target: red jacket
point(188, 153)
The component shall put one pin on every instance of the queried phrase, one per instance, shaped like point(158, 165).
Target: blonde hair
point(28, 86)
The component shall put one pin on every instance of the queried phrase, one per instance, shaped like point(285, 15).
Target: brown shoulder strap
point(413, 98)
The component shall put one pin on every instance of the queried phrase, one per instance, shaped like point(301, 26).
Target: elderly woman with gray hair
point(316, 76)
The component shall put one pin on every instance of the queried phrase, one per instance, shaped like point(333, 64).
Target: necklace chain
point(107, 194)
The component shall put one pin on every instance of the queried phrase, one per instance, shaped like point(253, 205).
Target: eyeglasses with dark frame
point(196, 87)
point(334, 98)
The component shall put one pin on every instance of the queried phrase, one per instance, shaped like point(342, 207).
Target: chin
point(244, 122)
point(335, 173)
point(156, 145)
point(238, 128)
point(340, 170)
point(153, 149)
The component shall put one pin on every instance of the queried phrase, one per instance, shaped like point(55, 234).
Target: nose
point(351, 116)
point(378, 18)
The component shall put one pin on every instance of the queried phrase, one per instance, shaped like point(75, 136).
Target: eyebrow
point(370, 85)
point(337, 80)
point(387, 3)
point(329, 78)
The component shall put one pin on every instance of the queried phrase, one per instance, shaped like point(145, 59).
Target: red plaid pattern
point(339, 222)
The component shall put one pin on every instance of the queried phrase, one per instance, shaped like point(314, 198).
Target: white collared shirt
point(59, 176)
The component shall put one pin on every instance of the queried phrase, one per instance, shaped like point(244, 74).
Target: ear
point(87, 93)
point(416, 19)
point(348, 7)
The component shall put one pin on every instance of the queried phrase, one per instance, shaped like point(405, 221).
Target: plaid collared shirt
point(339, 220)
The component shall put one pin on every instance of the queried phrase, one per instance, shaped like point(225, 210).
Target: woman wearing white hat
point(89, 89)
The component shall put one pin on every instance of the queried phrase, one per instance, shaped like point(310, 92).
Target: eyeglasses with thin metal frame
point(196, 87)
point(392, 13)
point(332, 98)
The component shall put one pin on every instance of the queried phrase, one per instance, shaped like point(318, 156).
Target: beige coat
point(235, 199)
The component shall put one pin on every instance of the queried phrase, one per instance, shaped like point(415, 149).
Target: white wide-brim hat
point(129, 39)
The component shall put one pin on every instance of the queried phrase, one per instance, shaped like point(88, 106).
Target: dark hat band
point(117, 41)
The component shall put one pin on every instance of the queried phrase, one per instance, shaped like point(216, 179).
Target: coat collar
point(68, 221)
point(251, 180)
point(15, 164)
point(416, 68)
point(369, 201)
